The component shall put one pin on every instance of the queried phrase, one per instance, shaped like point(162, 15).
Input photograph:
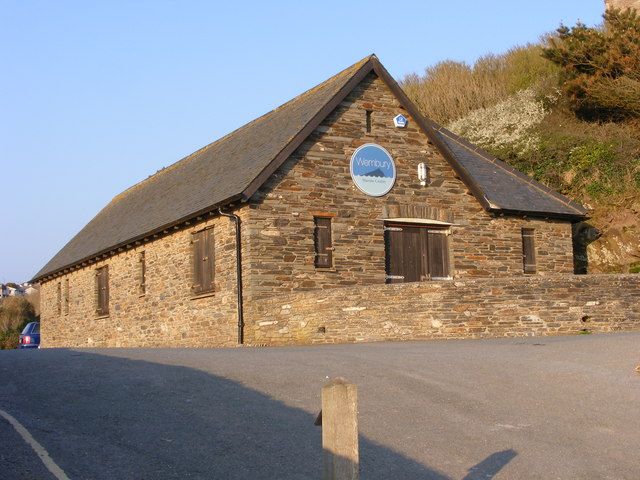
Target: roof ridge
point(508, 168)
point(262, 117)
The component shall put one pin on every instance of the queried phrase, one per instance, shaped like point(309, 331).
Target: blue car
point(30, 336)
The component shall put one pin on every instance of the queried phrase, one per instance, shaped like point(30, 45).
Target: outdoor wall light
point(423, 174)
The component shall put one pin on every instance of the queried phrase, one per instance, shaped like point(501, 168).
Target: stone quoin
point(231, 243)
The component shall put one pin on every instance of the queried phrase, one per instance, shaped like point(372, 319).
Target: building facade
point(345, 186)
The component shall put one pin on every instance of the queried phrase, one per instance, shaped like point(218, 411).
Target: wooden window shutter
point(66, 296)
point(105, 291)
point(394, 258)
point(196, 250)
point(59, 298)
point(323, 242)
point(143, 273)
point(424, 261)
point(529, 250)
point(102, 284)
point(203, 248)
point(97, 291)
point(208, 263)
point(438, 247)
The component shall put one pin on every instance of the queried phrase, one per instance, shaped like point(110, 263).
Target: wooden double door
point(416, 253)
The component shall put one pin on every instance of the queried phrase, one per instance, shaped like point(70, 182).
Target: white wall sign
point(400, 121)
point(373, 170)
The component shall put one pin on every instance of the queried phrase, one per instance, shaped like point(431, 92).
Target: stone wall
point(168, 314)
point(316, 179)
point(469, 308)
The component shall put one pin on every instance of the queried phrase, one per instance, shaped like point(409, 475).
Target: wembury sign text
point(373, 170)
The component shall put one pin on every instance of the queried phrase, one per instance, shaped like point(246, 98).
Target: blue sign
point(373, 170)
point(400, 121)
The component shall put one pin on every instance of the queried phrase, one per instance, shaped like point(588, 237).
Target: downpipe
point(236, 220)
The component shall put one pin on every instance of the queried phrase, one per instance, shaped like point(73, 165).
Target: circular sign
point(373, 170)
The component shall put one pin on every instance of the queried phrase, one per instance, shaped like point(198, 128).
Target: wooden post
point(340, 430)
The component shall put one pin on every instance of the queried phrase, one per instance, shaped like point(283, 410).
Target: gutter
point(236, 220)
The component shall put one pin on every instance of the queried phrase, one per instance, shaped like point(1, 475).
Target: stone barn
point(342, 215)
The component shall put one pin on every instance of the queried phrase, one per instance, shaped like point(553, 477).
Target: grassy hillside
point(565, 111)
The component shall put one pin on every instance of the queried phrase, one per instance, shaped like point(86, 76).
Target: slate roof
point(504, 188)
point(235, 166)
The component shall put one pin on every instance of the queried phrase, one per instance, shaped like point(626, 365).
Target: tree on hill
point(600, 66)
point(565, 111)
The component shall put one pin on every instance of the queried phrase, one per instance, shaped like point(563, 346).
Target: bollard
point(340, 430)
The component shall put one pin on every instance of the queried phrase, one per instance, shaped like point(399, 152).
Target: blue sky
point(96, 96)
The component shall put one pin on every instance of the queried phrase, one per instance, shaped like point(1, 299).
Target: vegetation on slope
point(567, 112)
point(15, 313)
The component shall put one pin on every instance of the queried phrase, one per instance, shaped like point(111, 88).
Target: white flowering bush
point(509, 124)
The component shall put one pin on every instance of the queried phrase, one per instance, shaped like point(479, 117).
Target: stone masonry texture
point(168, 314)
point(469, 308)
point(316, 180)
point(488, 294)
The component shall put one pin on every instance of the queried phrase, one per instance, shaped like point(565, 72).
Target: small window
point(66, 296)
point(142, 274)
point(529, 250)
point(102, 291)
point(323, 242)
point(59, 298)
point(368, 120)
point(203, 255)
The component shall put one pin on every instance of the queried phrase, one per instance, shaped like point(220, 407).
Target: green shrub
point(521, 106)
point(580, 158)
point(600, 66)
point(526, 67)
point(15, 313)
point(451, 90)
point(598, 189)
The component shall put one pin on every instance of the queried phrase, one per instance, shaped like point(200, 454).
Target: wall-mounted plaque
point(373, 170)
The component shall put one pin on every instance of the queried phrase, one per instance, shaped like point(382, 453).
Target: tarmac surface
point(522, 408)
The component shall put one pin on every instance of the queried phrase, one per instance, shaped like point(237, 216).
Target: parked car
point(30, 336)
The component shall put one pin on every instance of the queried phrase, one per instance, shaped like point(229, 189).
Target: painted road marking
point(39, 449)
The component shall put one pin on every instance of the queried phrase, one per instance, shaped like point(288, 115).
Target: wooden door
point(415, 253)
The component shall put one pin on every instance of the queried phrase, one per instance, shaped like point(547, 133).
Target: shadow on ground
point(104, 417)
